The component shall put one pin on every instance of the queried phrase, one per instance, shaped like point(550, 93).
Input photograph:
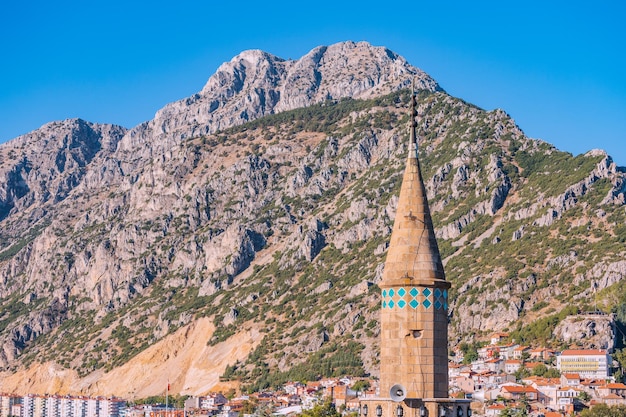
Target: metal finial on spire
point(413, 125)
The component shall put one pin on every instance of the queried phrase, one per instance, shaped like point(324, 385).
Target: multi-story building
point(79, 407)
point(62, 406)
point(213, 401)
point(112, 407)
point(39, 407)
point(53, 406)
point(588, 363)
point(565, 398)
point(6, 404)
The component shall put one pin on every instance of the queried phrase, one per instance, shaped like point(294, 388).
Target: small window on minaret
point(415, 333)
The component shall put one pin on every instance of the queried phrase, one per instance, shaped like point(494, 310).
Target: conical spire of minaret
point(413, 252)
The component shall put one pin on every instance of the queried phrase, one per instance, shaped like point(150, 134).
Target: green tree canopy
point(603, 410)
point(361, 385)
point(326, 409)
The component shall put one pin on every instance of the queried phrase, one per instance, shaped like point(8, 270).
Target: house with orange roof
point(541, 353)
point(495, 365)
point(552, 414)
point(612, 388)
point(547, 389)
point(570, 380)
point(338, 394)
point(588, 363)
point(532, 365)
point(497, 338)
point(613, 399)
point(513, 392)
point(494, 410)
point(519, 351)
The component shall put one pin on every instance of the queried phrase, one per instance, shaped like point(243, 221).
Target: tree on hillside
point(326, 409)
point(521, 373)
point(470, 352)
point(361, 385)
point(544, 371)
point(603, 410)
point(620, 357)
point(584, 396)
point(540, 370)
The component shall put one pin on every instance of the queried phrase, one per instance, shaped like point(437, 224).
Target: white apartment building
point(60, 406)
point(588, 363)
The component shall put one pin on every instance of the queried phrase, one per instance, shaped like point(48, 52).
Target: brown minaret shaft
point(414, 310)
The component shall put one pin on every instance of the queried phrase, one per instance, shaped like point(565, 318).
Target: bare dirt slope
point(182, 358)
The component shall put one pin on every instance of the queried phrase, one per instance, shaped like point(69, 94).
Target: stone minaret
point(414, 309)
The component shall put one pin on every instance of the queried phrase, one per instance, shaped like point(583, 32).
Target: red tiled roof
point(569, 389)
point(531, 365)
point(514, 389)
point(580, 352)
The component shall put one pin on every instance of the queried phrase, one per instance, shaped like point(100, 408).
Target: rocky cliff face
point(264, 204)
point(43, 167)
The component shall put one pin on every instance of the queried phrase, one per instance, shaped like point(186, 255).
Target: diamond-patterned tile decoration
point(436, 298)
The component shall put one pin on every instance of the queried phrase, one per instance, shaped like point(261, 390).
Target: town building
point(7, 402)
point(588, 363)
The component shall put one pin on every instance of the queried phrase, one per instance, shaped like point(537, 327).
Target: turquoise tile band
point(427, 298)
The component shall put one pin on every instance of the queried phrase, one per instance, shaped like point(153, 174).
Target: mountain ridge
point(182, 222)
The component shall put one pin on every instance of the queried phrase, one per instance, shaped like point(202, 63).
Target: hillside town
point(504, 376)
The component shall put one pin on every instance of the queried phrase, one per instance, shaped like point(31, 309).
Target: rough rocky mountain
point(249, 224)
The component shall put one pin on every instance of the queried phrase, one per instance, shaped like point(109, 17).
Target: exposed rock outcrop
point(589, 331)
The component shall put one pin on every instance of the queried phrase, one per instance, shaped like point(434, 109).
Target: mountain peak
point(256, 83)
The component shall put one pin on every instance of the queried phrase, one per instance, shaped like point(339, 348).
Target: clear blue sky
point(557, 67)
